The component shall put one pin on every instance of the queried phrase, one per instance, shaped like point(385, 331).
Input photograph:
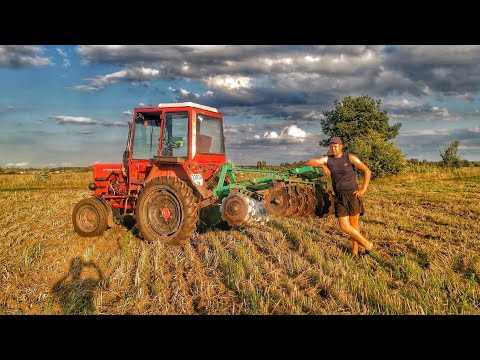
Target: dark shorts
point(348, 205)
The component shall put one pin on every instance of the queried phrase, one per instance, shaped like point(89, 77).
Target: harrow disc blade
point(235, 209)
point(277, 200)
point(293, 203)
point(312, 203)
point(302, 203)
point(325, 202)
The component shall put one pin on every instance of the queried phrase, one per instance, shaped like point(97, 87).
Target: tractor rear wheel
point(90, 217)
point(166, 211)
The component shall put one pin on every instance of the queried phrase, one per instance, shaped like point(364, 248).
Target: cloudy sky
point(69, 105)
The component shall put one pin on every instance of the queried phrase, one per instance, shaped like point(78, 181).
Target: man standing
point(348, 198)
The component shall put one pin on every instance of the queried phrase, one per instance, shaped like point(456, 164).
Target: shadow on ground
point(75, 291)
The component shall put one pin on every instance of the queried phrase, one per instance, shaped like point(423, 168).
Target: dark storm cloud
point(19, 56)
point(295, 83)
point(445, 69)
point(263, 63)
point(316, 70)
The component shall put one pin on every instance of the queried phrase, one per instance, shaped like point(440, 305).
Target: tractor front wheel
point(166, 211)
point(90, 217)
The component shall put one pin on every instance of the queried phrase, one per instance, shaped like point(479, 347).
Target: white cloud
point(87, 88)
point(426, 132)
point(186, 93)
point(293, 131)
point(128, 113)
point(314, 116)
point(271, 135)
point(311, 58)
point(443, 113)
point(282, 61)
point(66, 60)
point(135, 74)
point(400, 103)
point(64, 119)
point(18, 165)
point(289, 134)
point(229, 82)
point(61, 52)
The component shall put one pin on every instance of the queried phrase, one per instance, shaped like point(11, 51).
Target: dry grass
point(425, 227)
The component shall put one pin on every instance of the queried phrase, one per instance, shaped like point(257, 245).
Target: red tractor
point(173, 151)
point(174, 175)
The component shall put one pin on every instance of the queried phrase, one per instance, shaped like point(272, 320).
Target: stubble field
point(425, 228)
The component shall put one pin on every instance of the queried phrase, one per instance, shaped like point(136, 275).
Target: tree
point(354, 117)
point(382, 157)
point(365, 131)
point(450, 157)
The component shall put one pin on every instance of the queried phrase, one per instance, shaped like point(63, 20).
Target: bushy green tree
point(382, 157)
point(355, 117)
point(450, 157)
point(365, 131)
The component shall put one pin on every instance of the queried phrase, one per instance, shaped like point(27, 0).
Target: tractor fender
point(110, 221)
point(194, 180)
point(197, 181)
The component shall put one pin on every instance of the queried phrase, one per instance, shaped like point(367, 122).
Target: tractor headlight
point(92, 186)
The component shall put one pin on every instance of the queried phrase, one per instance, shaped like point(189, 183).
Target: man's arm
point(366, 173)
point(319, 163)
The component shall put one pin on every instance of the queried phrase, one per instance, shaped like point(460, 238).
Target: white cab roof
point(192, 104)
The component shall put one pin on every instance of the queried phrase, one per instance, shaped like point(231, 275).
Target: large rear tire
point(90, 217)
point(166, 211)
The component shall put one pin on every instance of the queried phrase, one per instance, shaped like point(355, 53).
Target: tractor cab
point(186, 134)
point(177, 132)
point(174, 139)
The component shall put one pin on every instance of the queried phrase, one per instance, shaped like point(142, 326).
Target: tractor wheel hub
point(166, 213)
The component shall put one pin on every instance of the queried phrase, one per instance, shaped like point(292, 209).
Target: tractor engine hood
point(103, 171)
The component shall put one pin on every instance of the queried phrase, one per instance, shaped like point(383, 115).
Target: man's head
point(335, 140)
point(336, 146)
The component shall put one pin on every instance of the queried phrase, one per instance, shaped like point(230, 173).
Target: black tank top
point(342, 173)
